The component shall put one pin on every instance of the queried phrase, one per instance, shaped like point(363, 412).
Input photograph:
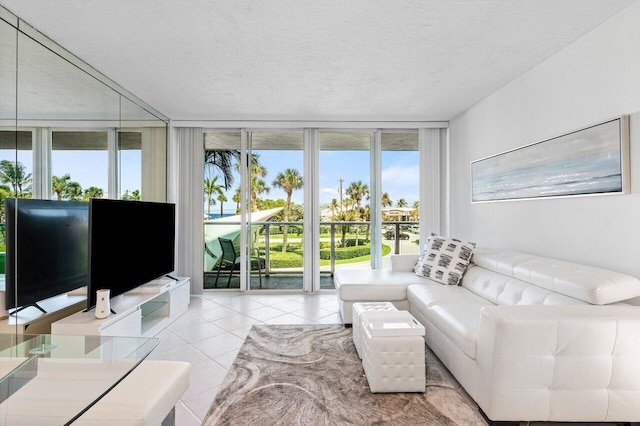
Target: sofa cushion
point(460, 323)
point(593, 285)
point(423, 297)
point(446, 259)
point(504, 290)
point(374, 285)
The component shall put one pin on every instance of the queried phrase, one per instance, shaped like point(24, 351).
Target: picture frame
point(593, 160)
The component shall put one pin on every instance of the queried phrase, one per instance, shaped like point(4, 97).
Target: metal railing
point(395, 232)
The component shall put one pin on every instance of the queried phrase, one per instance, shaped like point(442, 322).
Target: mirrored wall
point(67, 132)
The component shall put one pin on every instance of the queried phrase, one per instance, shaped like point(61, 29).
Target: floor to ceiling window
point(400, 189)
point(365, 192)
point(345, 227)
point(276, 209)
point(222, 197)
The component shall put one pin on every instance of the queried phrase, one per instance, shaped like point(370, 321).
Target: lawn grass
point(294, 259)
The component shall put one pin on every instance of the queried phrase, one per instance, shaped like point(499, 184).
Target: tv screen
point(46, 249)
point(130, 244)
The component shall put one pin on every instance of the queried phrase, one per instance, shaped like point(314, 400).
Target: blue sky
point(399, 174)
point(89, 168)
point(399, 171)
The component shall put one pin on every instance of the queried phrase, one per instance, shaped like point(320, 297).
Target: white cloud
point(400, 177)
point(330, 191)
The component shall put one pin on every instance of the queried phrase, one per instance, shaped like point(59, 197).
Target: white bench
point(146, 397)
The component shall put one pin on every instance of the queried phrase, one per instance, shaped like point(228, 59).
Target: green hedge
point(291, 248)
point(293, 259)
point(350, 242)
point(285, 260)
point(347, 252)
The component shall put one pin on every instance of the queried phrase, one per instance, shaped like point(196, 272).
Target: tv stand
point(35, 305)
point(143, 311)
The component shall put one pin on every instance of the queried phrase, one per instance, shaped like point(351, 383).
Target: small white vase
point(103, 304)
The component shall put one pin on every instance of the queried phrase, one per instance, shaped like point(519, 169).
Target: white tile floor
point(211, 332)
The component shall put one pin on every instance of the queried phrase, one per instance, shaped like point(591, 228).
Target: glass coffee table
point(53, 379)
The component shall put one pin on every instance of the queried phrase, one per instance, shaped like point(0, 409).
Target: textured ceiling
point(314, 60)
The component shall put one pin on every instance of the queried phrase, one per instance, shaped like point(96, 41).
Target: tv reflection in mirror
point(46, 250)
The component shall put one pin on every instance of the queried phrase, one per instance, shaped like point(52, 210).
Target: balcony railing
point(399, 237)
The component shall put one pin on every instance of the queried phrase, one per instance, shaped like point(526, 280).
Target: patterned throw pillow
point(445, 260)
point(422, 256)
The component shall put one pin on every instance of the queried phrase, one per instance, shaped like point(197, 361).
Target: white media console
point(143, 311)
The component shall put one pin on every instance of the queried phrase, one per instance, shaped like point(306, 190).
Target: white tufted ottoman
point(393, 352)
point(358, 310)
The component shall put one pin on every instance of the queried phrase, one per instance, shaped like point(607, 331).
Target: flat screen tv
point(130, 244)
point(46, 249)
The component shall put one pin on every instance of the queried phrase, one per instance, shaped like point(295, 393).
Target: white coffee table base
point(356, 323)
point(393, 363)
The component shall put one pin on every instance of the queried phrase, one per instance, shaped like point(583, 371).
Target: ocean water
point(217, 215)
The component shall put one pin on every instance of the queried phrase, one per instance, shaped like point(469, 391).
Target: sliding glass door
point(222, 190)
point(344, 178)
point(400, 193)
point(353, 196)
point(276, 210)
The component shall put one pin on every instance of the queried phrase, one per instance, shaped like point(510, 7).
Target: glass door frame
point(431, 144)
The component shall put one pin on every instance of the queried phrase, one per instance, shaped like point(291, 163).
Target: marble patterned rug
point(311, 375)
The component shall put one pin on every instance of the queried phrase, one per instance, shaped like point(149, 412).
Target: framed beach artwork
point(593, 160)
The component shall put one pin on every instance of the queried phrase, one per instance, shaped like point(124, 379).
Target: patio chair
point(230, 261)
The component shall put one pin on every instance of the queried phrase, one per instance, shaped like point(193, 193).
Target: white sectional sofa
point(530, 338)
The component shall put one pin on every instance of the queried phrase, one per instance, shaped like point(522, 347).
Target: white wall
point(594, 79)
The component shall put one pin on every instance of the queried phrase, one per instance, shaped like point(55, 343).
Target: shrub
point(347, 252)
point(285, 260)
point(291, 248)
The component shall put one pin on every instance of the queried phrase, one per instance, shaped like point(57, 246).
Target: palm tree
point(345, 216)
point(386, 200)
point(73, 191)
point(416, 210)
point(15, 174)
point(236, 199)
point(5, 192)
point(401, 203)
point(222, 199)
point(93, 192)
point(334, 206)
point(357, 191)
point(258, 186)
point(222, 160)
point(59, 185)
point(131, 196)
point(289, 181)
point(366, 215)
point(211, 188)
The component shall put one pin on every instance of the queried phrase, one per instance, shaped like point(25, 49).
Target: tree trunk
point(344, 236)
point(285, 229)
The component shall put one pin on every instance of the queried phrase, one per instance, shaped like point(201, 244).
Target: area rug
point(311, 375)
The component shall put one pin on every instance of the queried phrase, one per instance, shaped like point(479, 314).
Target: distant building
point(400, 214)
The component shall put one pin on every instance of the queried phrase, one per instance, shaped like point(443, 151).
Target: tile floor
point(210, 333)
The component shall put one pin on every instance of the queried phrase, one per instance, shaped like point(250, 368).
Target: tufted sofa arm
point(403, 262)
point(559, 363)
